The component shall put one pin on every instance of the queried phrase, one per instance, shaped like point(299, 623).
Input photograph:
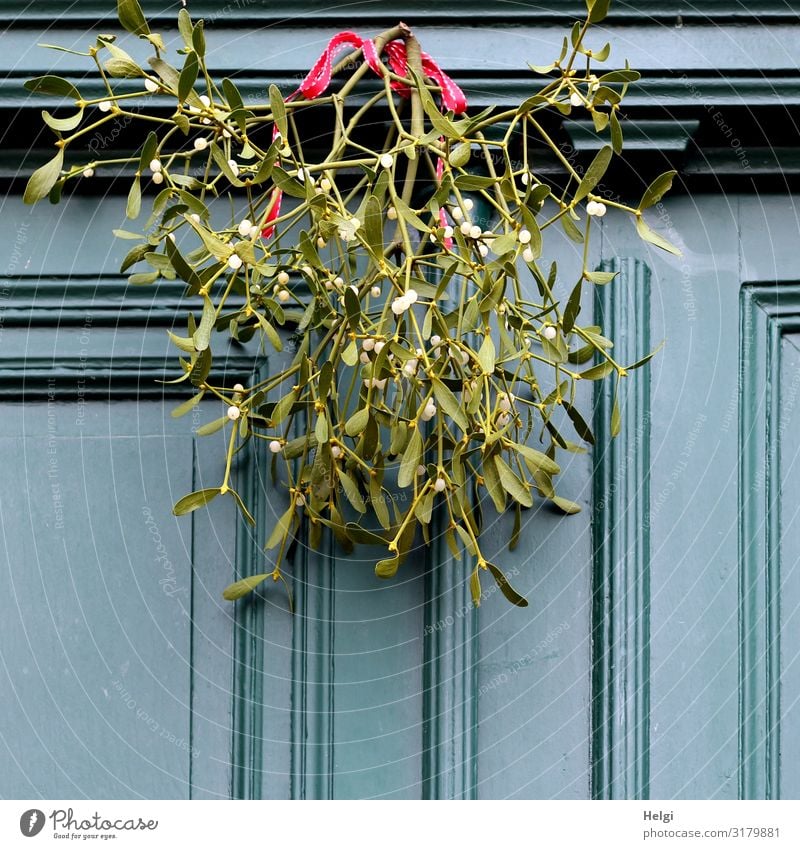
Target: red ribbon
point(319, 78)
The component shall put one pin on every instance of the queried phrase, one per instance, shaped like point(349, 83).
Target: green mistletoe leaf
point(244, 587)
point(131, 17)
point(43, 179)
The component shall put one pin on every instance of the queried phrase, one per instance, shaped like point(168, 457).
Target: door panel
point(789, 588)
point(656, 658)
point(116, 646)
point(98, 579)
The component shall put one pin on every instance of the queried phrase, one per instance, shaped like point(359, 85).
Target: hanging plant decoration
point(422, 361)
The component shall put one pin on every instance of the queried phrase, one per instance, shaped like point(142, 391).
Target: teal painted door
point(657, 656)
point(115, 644)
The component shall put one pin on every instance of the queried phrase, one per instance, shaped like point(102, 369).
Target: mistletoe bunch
point(422, 360)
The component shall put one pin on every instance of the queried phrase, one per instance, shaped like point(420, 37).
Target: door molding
point(621, 547)
point(767, 312)
point(450, 705)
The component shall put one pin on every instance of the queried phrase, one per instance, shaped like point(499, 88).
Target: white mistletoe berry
point(504, 401)
point(155, 165)
point(391, 213)
point(435, 340)
point(337, 281)
point(379, 346)
point(525, 177)
point(233, 413)
point(321, 242)
point(600, 210)
point(411, 296)
point(158, 178)
point(237, 387)
point(104, 105)
point(325, 184)
point(195, 217)
point(151, 85)
point(429, 412)
point(400, 305)
point(234, 165)
point(439, 485)
point(88, 172)
point(591, 207)
point(458, 214)
point(387, 160)
point(575, 99)
point(410, 367)
point(205, 100)
point(503, 419)
point(368, 344)
point(200, 144)
point(475, 232)
point(448, 232)
point(468, 204)
point(524, 237)
point(364, 357)
point(275, 446)
point(420, 470)
point(253, 232)
point(465, 227)
point(283, 278)
point(234, 261)
point(284, 295)
point(336, 452)
point(549, 332)
point(244, 226)
point(527, 255)
point(375, 291)
point(483, 250)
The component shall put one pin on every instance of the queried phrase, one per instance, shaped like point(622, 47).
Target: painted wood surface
point(657, 657)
